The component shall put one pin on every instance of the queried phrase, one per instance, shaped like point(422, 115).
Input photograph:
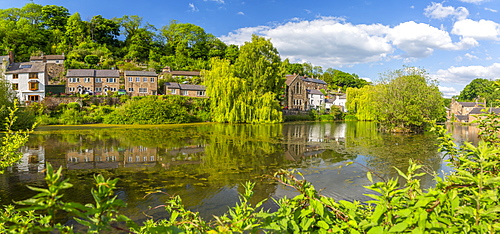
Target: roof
point(80, 73)
point(314, 91)
point(307, 79)
point(192, 87)
point(47, 57)
point(140, 73)
point(471, 104)
point(173, 85)
point(107, 73)
point(27, 67)
point(183, 73)
point(479, 110)
point(289, 79)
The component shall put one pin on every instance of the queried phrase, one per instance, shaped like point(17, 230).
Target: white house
point(337, 100)
point(316, 98)
point(28, 80)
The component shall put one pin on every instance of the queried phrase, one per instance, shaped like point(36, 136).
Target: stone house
point(57, 59)
point(28, 79)
point(173, 88)
point(141, 83)
point(296, 94)
point(461, 111)
point(92, 81)
point(337, 100)
point(5, 61)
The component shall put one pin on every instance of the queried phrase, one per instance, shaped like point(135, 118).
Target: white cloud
point(217, 1)
point(479, 30)
point(489, 9)
point(474, 1)
point(465, 74)
point(240, 13)
point(470, 56)
point(448, 92)
point(420, 40)
point(438, 11)
point(193, 7)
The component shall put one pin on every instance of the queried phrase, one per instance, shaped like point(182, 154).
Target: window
point(130, 79)
point(33, 98)
point(173, 91)
point(15, 86)
point(87, 80)
point(145, 79)
point(113, 89)
point(33, 75)
point(131, 89)
point(25, 66)
point(74, 80)
point(15, 76)
point(33, 86)
point(137, 79)
point(152, 79)
point(72, 89)
point(185, 92)
point(143, 90)
point(98, 89)
point(111, 80)
point(98, 80)
point(200, 93)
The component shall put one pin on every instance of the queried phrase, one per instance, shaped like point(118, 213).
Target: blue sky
point(455, 40)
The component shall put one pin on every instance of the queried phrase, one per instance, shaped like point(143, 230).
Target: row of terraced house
point(42, 74)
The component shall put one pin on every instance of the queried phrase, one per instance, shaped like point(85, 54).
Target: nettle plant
point(464, 201)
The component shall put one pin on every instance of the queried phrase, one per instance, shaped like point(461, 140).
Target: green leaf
point(400, 227)
point(322, 224)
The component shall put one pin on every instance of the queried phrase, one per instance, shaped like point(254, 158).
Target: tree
point(55, 17)
point(481, 90)
point(337, 79)
point(293, 68)
point(361, 102)
point(259, 64)
point(104, 31)
point(75, 30)
point(232, 99)
point(407, 99)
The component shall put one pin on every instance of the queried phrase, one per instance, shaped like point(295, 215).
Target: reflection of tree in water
point(383, 152)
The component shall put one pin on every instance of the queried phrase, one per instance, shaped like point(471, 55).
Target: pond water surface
point(206, 164)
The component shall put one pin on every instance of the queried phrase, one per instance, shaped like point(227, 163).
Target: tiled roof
point(80, 73)
point(140, 73)
point(471, 104)
point(307, 79)
point(183, 73)
point(314, 91)
point(192, 87)
point(289, 79)
point(26, 67)
point(479, 110)
point(107, 73)
point(48, 57)
point(173, 85)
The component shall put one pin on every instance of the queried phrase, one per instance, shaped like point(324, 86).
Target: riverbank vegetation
point(463, 201)
point(405, 100)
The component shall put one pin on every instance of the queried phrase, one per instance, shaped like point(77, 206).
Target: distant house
point(141, 83)
point(28, 80)
point(338, 101)
point(316, 98)
point(92, 81)
point(188, 90)
point(476, 112)
point(5, 61)
point(187, 74)
point(460, 111)
point(296, 94)
point(58, 59)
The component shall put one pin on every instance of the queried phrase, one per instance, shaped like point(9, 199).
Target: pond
point(206, 164)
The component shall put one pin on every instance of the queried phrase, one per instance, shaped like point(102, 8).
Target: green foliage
point(481, 90)
point(233, 101)
point(339, 80)
point(11, 142)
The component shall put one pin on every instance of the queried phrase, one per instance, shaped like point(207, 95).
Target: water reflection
point(207, 163)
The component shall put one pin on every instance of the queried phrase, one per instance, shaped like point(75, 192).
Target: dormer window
point(15, 76)
point(33, 85)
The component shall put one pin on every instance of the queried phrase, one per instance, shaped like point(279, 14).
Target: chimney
point(166, 69)
point(11, 57)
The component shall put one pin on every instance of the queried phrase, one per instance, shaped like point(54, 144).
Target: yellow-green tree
point(233, 101)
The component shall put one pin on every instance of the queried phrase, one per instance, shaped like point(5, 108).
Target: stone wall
point(53, 102)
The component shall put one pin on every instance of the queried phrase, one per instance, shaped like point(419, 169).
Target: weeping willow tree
point(361, 102)
point(232, 100)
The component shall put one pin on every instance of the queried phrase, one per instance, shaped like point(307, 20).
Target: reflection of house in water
point(306, 140)
point(185, 155)
point(105, 158)
point(33, 159)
